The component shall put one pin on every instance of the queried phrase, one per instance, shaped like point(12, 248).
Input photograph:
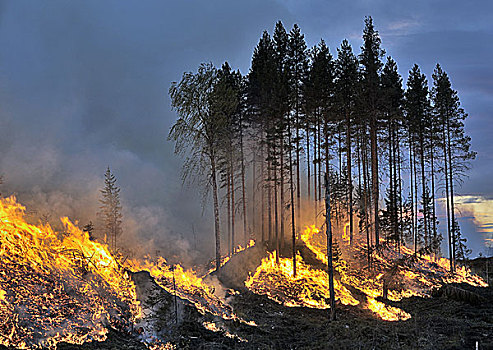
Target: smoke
point(83, 86)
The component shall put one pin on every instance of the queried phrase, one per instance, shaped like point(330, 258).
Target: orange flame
point(57, 284)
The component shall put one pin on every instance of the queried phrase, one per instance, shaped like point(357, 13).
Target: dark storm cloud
point(83, 85)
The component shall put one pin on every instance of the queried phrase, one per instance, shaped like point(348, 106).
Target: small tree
point(110, 209)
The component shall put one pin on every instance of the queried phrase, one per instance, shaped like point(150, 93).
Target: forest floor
point(436, 323)
point(448, 320)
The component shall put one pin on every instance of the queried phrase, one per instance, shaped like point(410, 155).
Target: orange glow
point(385, 312)
point(187, 285)
point(417, 277)
point(310, 287)
point(63, 282)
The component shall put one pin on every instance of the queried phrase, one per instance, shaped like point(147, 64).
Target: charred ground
point(455, 317)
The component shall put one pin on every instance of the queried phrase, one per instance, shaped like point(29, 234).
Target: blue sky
point(83, 85)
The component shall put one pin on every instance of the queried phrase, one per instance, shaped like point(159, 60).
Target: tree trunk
point(399, 184)
point(308, 158)
point(349, 177)
point(298, 187)
point(329, 249)
point(243, 194)
point(415, 201)
point(291, 190)
point(254, 183)
point(216, 211)
point(319, 149)
point(391, 182)
point(413, 228)
point(228, 184)
point(451, 184)
point(449, 231)
point(269, 192)
point(276, 218)
point(423, 187)
point(374, 177)
point(366, 203)
point(233, 211)
point(432, 193)
point(281, 189)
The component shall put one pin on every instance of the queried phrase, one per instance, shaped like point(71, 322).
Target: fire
point(386, 312)
point(315, 246)
point(310, 287)
point(345, 235)
point(58, 286)
point(185, 284)
point(399, 274)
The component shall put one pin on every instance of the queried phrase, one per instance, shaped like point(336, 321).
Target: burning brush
point(394, 275)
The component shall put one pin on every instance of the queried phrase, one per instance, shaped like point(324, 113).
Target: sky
point(84, 85)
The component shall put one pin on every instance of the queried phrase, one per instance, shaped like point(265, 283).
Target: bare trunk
point(291, 190)
point(269, 193)
point(374, 177)
point(216, 211)
point(228, 194)
point(319, 147)
point(451, 184)
point(298, 187)
point(308, 158)
point(276, 218)
point(449, 232)
point(399, 184)
point(413, 228)
point(432, 193)
point(423, 188)
point(366, 204)
point(281, 189)
point(254, 182)
point(330, 267)
point(349, 177)
point(415, 201)
point(233, 212)
point(243, 194)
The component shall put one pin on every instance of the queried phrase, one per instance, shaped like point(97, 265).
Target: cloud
point(480, 210)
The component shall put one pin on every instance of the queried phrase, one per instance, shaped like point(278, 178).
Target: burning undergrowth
point(58, 286)
point(396, 273)
point(63, 287)
point(185, 284)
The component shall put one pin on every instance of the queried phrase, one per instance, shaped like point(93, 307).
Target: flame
point(185, 284)
point(58, 286)
point(399, 272)
point(345, 235)
point(310, 287)
point(386, 312)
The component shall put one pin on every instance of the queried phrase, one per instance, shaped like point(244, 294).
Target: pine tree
point(370, 60)
point(298, 69)
point(110, 209)
point(418, 110)
point(456, 147)
point(345, 100)
point(392, 119)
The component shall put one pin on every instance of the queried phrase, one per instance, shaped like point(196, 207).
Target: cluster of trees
point(390, 153)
